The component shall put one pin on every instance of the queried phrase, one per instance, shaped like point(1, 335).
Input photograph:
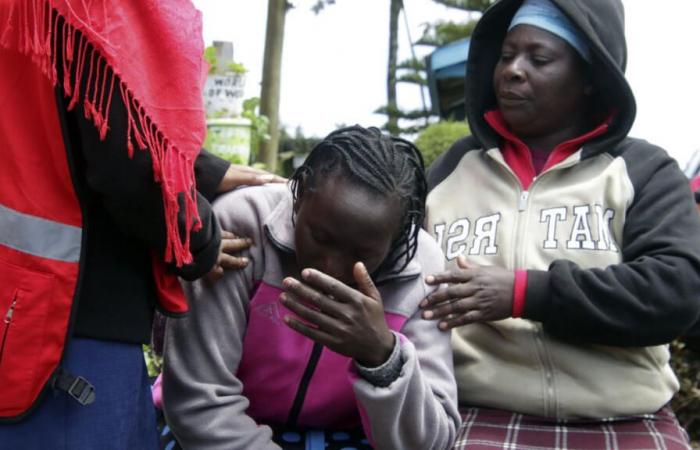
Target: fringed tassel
point(67, 60)
point(34, 28)
point(79, 70)
point(176, 166)
point(8, 26)
point(105, 127)
point(53, 57)
point(87, 104)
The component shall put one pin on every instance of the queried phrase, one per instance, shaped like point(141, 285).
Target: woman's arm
point(202, 396)
point(418, 410)
point(651, 297)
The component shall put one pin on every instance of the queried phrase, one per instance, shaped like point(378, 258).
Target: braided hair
point(384, 165)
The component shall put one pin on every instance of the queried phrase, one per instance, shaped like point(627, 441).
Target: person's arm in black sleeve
point(126, 188)
point(209, 171)
point(652, 296)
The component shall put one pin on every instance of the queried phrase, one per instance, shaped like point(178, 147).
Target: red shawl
point(155, 49)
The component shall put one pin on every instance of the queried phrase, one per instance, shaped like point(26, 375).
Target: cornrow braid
point(384, 164)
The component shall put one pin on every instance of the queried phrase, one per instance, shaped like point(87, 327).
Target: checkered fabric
point(488, 429)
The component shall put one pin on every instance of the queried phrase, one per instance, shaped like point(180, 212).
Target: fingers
point(315, 325)
point(298, 290)
point(231, 262)
point(329, 285)
point(364, 281)
point(447, 293)
point(234, 244)
point(463, 264)
point(315, 334)
point(488, 296)
point(245, 175)
point(444, 309)
point(455, 312)
point(215, 274)
point(230, 245)
point(256, 180)
point(240, 175)
point(314, 317)
point(457, 275)
point(458, 321)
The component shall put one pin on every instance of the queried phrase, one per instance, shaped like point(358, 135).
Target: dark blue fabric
point(121, 418)
point(298, 439)
point(289, 438)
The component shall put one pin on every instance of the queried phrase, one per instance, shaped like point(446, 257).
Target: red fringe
point(33, 27)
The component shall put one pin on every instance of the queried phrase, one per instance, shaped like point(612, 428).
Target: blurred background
point(334, 64)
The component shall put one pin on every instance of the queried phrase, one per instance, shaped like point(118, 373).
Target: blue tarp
point(447, 67)
point(450, 60)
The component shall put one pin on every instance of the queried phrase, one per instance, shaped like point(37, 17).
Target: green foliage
point(442, 33)
point(401, 114)
point(686, 403)
point(259, 125)
point(414, 71)
point(210, 57)
point(291, 146)
point(413, 77)
point(298, 144)
point(411, 64)
point(233, 158)
point(236, 67)
point(438, 137)
point(466, 5)
point(154, 363)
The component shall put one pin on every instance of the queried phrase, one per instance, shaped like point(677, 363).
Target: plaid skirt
point(487, 429)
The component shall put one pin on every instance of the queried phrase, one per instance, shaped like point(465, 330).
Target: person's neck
point(547, 143)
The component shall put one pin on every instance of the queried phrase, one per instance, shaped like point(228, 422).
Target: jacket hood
point(602, 24)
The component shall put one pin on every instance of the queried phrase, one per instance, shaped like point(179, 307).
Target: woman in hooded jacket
point(572, 248)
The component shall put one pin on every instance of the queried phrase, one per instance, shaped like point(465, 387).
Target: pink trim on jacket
point(695, 184)
point(273, 363)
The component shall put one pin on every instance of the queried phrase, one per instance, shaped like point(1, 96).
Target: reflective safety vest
point(41, 243)
point(40, 237)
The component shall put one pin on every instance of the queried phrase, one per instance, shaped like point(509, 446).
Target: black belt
point(77, 387)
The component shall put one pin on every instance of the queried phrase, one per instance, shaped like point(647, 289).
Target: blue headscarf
point(545, 15)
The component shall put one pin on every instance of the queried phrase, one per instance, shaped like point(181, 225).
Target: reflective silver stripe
point(39, 237)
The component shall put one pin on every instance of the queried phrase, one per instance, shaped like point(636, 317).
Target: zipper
point(519, 261)
point(304, 385)
point(541, 345)
point(7, 321)
point(522, 201)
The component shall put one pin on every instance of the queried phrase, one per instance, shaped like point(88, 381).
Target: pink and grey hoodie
point(233, 366)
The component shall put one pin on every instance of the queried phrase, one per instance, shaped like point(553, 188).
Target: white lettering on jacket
point(456, 244)
point(551, 216)
point(605, 241)
point(581, 231)
point(485, 232)
point(579, 235)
